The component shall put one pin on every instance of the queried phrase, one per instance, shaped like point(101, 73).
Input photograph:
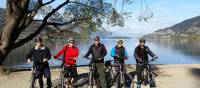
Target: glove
point(29, 60)
point(53, 57)
point(45, 60)
point(155, 57)
point(125, 58)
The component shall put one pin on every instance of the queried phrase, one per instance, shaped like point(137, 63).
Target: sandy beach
point(169, 76)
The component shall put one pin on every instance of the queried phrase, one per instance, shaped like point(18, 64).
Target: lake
point(177, 51)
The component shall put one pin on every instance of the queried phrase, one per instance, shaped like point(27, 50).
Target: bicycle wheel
point(152, 82)
point(62, 81)
point(122, 81)
point(90, 80)
point(145, 77)
point(130, 81)
point(32, 81)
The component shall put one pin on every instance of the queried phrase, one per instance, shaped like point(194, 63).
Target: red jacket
point(70, 54)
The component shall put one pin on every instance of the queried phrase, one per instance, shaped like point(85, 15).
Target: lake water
point(179, 51)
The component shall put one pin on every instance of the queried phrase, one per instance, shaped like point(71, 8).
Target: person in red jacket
point(70, 52)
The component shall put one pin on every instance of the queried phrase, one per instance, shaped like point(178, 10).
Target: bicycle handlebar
point(87, 58)
point(146, 62)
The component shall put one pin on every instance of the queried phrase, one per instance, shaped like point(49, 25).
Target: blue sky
point(166, 13)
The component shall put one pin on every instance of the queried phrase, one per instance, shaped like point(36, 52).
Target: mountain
point(186, 28)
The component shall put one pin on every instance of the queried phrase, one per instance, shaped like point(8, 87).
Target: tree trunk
point(2, 57)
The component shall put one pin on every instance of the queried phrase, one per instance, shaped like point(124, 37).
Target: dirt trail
point(169, 76)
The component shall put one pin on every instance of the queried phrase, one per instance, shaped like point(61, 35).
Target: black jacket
point(142, 54)
point(97, 52)
point(37, 55)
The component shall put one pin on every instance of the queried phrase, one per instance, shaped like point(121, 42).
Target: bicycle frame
point(32, 77)
point(148, 77)
point(62, 78)
point(121, 75)
point(92, 69)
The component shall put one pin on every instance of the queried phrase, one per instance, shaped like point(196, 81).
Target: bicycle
point(32, 79)
point(93, 74)
point(148, 75)
point(123, 78)
point(62, 77)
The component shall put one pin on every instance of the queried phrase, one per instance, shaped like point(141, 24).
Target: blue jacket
point(122, 53)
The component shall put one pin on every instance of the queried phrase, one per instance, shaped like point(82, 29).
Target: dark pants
point(101, 72)
point(117, 71)
point(139, 70)
point(70, 71)
point(39, 73)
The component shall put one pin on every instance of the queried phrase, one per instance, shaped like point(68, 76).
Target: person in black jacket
point(141, 55)
point(98, 52)
point(40, 56)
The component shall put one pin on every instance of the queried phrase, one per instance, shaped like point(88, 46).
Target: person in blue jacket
point(119, 55)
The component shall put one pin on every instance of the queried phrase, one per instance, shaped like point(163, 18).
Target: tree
point(20, 14)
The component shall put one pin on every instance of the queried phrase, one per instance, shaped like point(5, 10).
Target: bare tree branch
point(94, 8)
point(33, 12)
point(74, 20)
point(62, 30)
point(44, 22)
point(49, 2)
point(82, 4)
point(54, 10)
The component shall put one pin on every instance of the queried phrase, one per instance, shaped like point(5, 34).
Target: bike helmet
point(96, 38)
point(38, 39)
point(120, 41)
point(71, 40)
point(142, 40)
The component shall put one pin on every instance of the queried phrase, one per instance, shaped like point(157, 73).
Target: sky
point(166, 14)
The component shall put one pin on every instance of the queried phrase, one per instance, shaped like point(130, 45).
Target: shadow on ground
point(196, 72)
point(81, 80)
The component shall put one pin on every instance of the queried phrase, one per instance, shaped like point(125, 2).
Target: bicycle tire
point(32, 81)
point(152, 82)
point(130, 81)
point(90, 79)
point(122, 81)
point(62, 81)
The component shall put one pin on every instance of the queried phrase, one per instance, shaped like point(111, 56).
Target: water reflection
point(177, 51)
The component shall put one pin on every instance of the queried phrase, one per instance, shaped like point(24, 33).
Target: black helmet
point(96, 38)
point(142, 40)
point(38, 39)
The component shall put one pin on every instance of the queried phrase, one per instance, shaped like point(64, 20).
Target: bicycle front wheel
point(152, 82)
point(62, 81)
point(90, 80)
point(32, 81)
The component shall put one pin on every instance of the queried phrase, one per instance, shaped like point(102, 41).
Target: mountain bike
point(122, 79)
point(148, 76)
point(32, 79)
point(93, 74)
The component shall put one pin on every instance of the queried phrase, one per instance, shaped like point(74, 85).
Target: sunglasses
point(119, 43)
point(96, 40)
point(71, 42)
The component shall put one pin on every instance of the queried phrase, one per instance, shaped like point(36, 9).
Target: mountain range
point(186, 28)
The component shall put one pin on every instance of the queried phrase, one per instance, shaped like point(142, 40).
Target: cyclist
point(119, 54)
point(98, 52)
point(141, 55)
point(40, 55)
point(70, 52)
